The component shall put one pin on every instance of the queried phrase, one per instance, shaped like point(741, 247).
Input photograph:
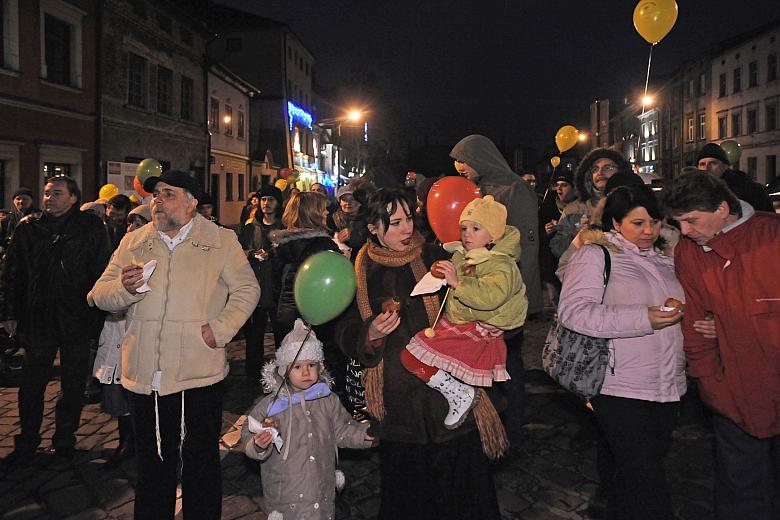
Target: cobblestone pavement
point(543, 478)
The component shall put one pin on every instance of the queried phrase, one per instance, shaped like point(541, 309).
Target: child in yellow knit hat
point(485, 286)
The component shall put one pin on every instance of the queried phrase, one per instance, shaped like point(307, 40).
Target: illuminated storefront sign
point(296, 113)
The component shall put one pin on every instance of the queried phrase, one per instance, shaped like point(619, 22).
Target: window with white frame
point(702, 126)
point(240, 126)
point(691, 129)
point(9, 34)
point(61, 37)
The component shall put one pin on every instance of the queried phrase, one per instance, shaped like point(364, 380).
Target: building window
point(214, 115)
point(771, 67)
point(228, 186)
point(241, 187)
point(722, 127)
point(702, 84)
point(240, 127)
point(691, 91)
point(691, 129)
point(51, 169)
point(753, 74)
point(736, 124)
point(737, 86)
point(702, 126)
point(137, 80)
point(187, 91)
point(164, 90)
point(9, 34)
point(58, 47)
point(187, 38)
point(228, 120)
point(771, 115)
point(752, 120)
point(722, 85)
point(752, 167)
point(675, 136)
point(771, 168)
point(165, 23)
point(234, 45)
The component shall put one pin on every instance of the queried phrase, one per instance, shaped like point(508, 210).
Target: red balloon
point(140, 188)
point(446, 200)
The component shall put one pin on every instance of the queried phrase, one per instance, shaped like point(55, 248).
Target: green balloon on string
point(324, 286)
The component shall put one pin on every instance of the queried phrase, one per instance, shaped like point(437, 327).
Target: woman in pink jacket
point(645, 379)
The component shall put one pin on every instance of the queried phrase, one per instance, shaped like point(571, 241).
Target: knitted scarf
point(491, 430)
point(373, 378)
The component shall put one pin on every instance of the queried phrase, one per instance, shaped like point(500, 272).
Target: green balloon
point(324, 287)
point(148, 168)
point(733, 151)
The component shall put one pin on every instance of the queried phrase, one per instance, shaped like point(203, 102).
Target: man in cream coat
point(179, 319)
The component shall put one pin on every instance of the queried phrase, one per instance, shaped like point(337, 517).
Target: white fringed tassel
point(157, 427)
point(182, 431)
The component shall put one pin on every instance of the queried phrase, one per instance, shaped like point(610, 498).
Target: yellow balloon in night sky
point(555, 161)
point(653, 19)
point(566, 138)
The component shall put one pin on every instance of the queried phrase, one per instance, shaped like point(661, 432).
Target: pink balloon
point(446, 200)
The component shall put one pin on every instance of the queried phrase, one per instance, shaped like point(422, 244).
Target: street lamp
point(352, 116)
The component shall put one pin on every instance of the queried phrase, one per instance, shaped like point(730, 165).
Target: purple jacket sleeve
point(580, 308)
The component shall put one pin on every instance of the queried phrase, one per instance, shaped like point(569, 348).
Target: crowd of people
point(434, 381)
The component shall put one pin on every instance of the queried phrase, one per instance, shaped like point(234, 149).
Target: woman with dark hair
point(590, 180)
point(427, 471)
point(639, 400)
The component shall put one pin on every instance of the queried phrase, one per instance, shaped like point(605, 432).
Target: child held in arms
point(485, 287)
point(296, 429)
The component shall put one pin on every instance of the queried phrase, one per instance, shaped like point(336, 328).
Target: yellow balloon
point(108, 191)
point(566, 138)
point(281, 184)
point(653, 19)
point(555, 161)
point(134, 199)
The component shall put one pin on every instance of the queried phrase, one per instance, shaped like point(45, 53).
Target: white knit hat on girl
point(487, 212)
point(310, 351)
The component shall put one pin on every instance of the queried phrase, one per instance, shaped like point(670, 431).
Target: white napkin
point(256, 426)
point(428, 284)
point(149, 268)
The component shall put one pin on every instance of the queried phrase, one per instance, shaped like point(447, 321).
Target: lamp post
point(352, 116)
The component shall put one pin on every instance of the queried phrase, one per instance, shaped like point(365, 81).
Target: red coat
point(739, 372)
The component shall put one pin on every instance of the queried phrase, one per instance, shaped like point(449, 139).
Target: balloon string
point(647, 77)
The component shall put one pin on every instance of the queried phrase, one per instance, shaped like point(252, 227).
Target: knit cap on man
point(490, 214)
point(300, 335)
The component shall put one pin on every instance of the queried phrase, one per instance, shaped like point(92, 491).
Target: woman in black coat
point(427, 471)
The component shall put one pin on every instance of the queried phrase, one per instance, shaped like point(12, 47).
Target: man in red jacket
point(727, 266)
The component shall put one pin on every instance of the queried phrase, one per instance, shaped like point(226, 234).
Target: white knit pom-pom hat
point(311, 350)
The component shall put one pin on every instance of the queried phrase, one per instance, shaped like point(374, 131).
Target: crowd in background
point(707, 240)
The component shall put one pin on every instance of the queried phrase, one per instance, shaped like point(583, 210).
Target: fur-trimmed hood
point(284, 236)
point(583, 180)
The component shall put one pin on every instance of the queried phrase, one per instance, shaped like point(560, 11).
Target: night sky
point(514, 70)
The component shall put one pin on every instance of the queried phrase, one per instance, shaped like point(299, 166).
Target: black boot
point(126, 448)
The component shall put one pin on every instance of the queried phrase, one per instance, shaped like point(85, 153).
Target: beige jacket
point(205, 279)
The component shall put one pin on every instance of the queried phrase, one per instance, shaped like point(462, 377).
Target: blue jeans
point(747, 473)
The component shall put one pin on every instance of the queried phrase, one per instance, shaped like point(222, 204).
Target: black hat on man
point(712, 150)
point(271, 191)
point(176, 178)
point(23, 191)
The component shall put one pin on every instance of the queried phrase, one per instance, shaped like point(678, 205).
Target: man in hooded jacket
point(479, 161)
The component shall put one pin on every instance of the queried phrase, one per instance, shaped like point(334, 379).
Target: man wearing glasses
point(590, 179)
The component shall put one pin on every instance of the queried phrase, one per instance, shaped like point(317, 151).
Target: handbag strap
point(607, 268)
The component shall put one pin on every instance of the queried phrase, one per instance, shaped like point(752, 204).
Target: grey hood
point(481, 154)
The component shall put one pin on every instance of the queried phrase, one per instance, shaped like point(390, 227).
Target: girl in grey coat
point(296, 430)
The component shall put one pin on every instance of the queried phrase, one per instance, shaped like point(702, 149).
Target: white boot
point(460, 396)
